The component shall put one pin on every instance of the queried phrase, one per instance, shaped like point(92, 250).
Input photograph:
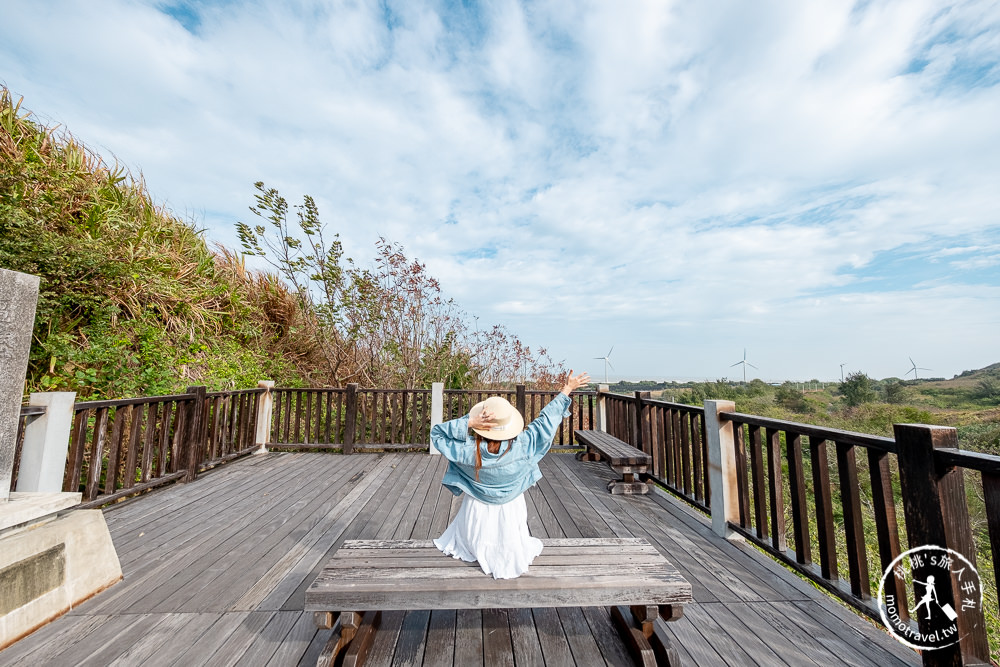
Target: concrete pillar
point(437, 408)
point(601, 414)
point(722, 466)
point(18, 297)
point(46, 443)
point(265, 410)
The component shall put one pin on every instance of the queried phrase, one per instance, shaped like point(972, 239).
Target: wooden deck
point(215, 573)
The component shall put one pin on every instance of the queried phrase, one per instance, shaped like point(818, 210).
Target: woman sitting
point(493, 460)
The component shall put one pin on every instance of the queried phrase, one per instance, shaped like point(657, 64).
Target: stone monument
point(52, 557)
point(18, 297)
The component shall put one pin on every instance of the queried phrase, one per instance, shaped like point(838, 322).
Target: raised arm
point(539, 434)
point(448, 436)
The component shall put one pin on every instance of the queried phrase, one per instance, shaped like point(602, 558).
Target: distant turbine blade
point(610, 351)
point(737, 363)
point(609, 364)
point(751, 365)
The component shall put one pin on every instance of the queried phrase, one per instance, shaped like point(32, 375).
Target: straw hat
point(508, 422)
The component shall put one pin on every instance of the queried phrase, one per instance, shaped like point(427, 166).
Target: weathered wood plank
point(440, 648)
point(497, 648)
point(605, 636)
point(285, 575)
point(239, 639)
point(469, 637)
point(132, 631)
point(579, 635)
point(295, 643)
point(551, 638)
point(153, 644)
point(412, 639)
point(215, 635)
point(384, 645)
point(524, 639)
point(273, 635)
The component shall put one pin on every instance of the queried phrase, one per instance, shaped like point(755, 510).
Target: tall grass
point(132, 301)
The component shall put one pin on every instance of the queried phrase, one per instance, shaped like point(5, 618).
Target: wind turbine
point(607, 362)
point(914, 369)
point(842, 372)
point(744, 363)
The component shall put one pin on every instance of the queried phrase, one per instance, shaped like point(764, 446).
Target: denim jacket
point(501, 478)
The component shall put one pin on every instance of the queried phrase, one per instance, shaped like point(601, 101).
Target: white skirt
point(495, 535)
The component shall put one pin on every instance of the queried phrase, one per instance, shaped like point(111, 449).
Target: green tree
point(895, 392)
point(788, 396)
point(858, 389)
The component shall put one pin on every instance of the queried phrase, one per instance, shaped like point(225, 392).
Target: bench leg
point(346, 634)
point(663, 646)
point(647, 620)
point(338, 641)
point(589, 455)
point(671, 612)
point(620, 487)
point(357, 652)
point(636, 642)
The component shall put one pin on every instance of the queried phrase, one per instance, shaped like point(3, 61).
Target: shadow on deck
point(215, 574)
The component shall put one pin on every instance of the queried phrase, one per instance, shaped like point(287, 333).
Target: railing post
point(46, 440)
point(601, 414)
point(521, 399)
point(351, 417)
point(265, 410)
point(195, 439)
point(937, 514)
point(722, 467)
point(640, 421)
point(437, 409)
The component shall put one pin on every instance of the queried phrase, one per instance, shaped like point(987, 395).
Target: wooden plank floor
point(215, 573)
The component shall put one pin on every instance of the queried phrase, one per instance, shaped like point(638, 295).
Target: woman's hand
point(485, 420)
point(574, 383)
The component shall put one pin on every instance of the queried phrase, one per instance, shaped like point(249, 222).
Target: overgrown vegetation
point(133, 301)
point(388, 325)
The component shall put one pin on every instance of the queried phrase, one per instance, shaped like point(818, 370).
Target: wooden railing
point(813, 472)
point(119, 448)
point(673, 434)
point(230, 425)
point(827, 502)
point(458, 402)
point(805, 492)
point(125, 446)
point(352, 418)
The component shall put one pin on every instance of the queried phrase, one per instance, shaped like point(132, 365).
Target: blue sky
point(815, 182)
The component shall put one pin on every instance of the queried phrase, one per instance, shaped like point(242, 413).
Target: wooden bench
point(621, 456)
point(366, 577)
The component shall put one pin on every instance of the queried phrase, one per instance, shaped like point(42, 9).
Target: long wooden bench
point(621, 456)
point(366, 577)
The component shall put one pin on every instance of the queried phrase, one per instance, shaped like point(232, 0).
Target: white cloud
point(685, 179)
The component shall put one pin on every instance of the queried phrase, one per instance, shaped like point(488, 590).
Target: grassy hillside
point(970, 402)
point(132, 300)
